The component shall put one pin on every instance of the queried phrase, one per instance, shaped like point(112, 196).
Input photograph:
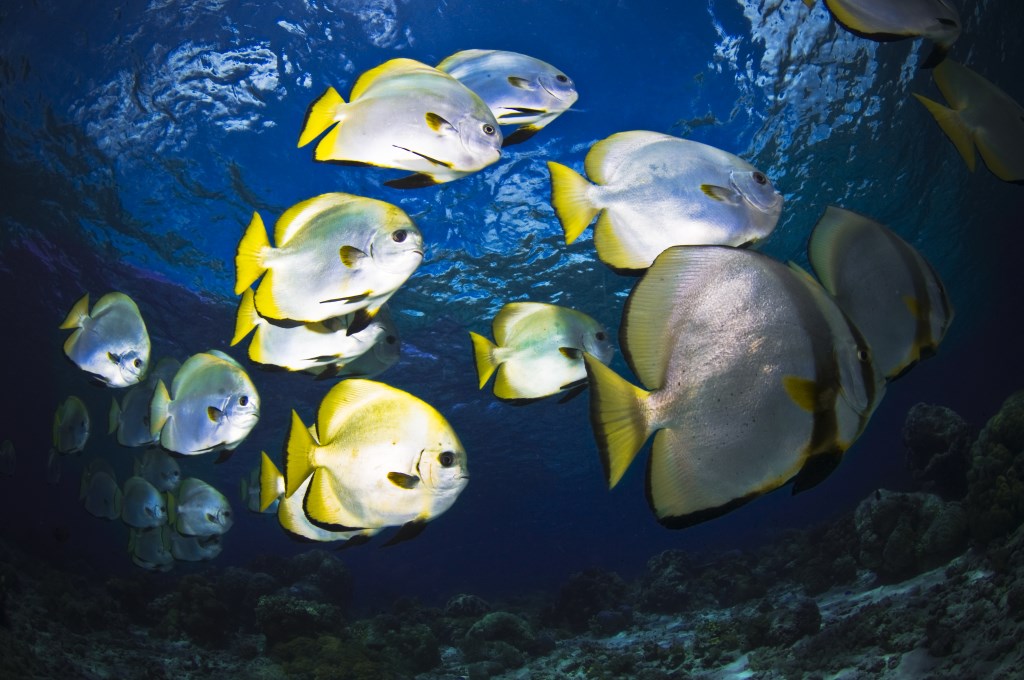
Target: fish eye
point(863, 355)
point(489, 129)
point(399, 236)
point(243, 400)
point(759, 177)
point(562, 78)
point(391, 339)
point(138, 363)
point(446, 459)
point(601, 336)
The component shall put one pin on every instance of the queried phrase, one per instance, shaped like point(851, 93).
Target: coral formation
point(938, 444)
point(995, 500)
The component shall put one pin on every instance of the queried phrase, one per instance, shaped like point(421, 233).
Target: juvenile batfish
point(143, 506)
point(290, 512)
point(538, 350)
point(654, 191)
point(198, 509)
point(159, 469)
point(111, 342)
point(8, 459)
point(406, 115)
point(380, 457)
point(195, 548)
point(151, 548)
point(520, 90)
point(130, 418)
point(384, 353)
point(99, 491)
point(298, 347)
point(70, 426)
point(212, 406)
point(754, 377)
point(884, 285)
point(981, 116)
point(886, 20)
point(336, 254)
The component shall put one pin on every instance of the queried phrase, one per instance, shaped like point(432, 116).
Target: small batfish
point(70, 426)
point(111, 342)
point(519, 89)
point(336, 254)
point(538, 350)
point(979, 116)
point(142, 505)
point(654, 191)
point(886, 20)
point(303, 346)
point(8, 459)
point(384, 353)
point(290, 511)
point(754, 378)
point(212, 406)
point(884, 285)
point(195, 548)
point(130, 418)
point(198, 509)
point(251, 491)
point(380, 457)
point(406, 115)
point(151, 548)
point(99, 491)
point(159, 469)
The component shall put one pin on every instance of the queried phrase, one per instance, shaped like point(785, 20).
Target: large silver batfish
point(753, 377)
point(885, 20)
point(407, 115)
point(519, 89)
point(109, 343)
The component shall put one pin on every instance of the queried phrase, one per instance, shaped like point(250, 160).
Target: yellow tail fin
point(271, 482)
point(246, 319)
point(320, 115)
point(79, 312)
point(953, 125)
point(249, 256)
point(618, 418)
point(483, 355)
point(158, 408)
point(298, 451)
point(570, 201)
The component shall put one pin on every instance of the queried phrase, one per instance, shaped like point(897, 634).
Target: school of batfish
point(754, 373)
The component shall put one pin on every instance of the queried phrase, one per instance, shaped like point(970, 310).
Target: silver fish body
point(143, 506)
point(111, 342)
point(195, 548)
point(70, 426)
point(884, 20)
point(151, 548)
point(201, 510)
point(159, 469)
point(129, 418)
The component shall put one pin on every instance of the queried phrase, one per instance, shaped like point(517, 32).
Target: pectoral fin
point(402, 480)
point(717, 193)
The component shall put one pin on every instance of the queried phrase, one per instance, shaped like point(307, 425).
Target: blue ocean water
point(137, 138)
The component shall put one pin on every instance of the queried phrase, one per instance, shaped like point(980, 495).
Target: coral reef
point(938, 443)
point(995, 500)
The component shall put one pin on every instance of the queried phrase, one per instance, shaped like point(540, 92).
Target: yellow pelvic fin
point(803, 392)
point(483, 355)
point(158, 407)
point(271, 482)
point(115, 416)
point(321, 503)
point(249, 256)
point(617, 416)
point(79, 313)
point(246, 319)
point(953, 125)
point(321, 115)
point(569, 199)
point(298, 454)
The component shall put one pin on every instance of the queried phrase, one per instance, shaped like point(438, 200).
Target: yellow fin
point(809, 3)
point(249, 255)
point(246, 319)
point(324, 150)
point(322, 504)
point(612, 249)
point(298, 455)
point(569, 199)
point(79, 313)
point(266, 305)
point(953, 125)
point(114, 419)
point(388, 68)
point(483, 355)
point(617, 416)
point(158, 408)
point(271, 482)
point(321, 115)
point(351, 256)
point(803, 392)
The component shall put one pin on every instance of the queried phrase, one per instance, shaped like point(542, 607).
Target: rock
point(995, 495)
point(466, 605)
point(282, 618)
point(938, 443)
point(586, 593)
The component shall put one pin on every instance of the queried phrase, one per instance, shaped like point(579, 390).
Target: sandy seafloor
point(912, 584)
